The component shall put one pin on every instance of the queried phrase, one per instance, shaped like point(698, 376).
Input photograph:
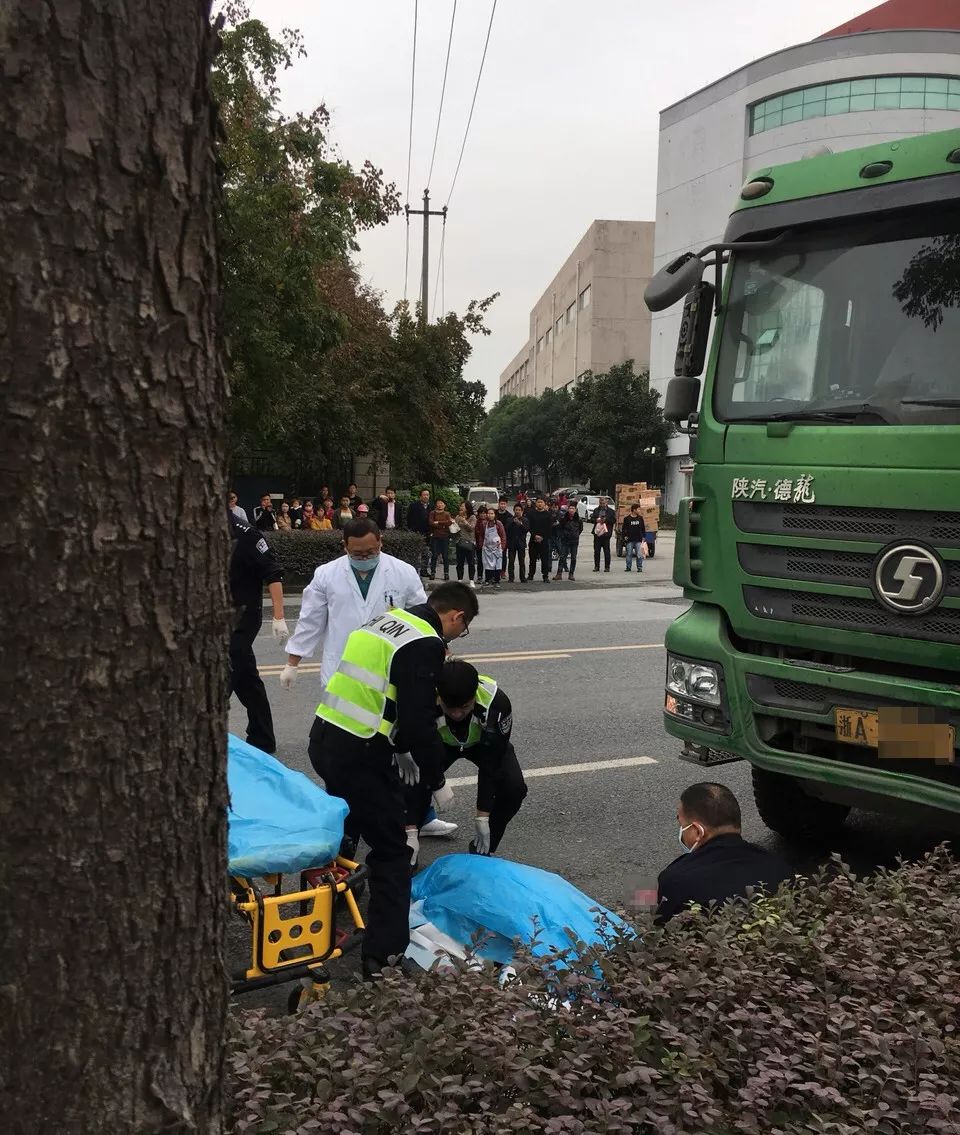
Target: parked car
point(484, 496)
point(589, 502)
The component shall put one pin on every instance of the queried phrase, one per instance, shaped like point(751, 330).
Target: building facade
point(591, 315)
point(870, 81)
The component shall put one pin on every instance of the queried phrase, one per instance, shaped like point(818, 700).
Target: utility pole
point(426, 212)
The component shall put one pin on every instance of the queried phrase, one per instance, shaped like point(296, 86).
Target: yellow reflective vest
point(486, 691)
point(360, 698)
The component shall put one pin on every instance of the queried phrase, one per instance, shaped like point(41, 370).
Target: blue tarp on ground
point(464, 894)
point(278, 820)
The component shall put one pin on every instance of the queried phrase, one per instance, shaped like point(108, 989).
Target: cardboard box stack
point(648, 499)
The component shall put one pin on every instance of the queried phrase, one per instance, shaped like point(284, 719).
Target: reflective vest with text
point(486, 692)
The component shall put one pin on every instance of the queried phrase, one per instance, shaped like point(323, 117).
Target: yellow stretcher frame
point(287, 946)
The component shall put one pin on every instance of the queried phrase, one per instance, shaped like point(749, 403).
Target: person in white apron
point(492, 547)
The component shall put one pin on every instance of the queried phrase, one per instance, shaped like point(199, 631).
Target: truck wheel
point(789, 811)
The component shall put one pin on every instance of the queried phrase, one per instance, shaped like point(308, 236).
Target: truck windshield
point(854, 325)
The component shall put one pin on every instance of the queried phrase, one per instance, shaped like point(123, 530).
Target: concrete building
point(891, 73)
point(592, 314)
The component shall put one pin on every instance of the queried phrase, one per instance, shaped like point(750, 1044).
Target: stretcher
point(282, 826)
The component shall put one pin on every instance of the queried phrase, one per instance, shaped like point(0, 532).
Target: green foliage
point(319, 370)
point(301, 553)
point(831, 1008)
point(598, 432)
point(450, 497)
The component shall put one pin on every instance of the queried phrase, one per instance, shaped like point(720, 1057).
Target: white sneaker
point(473, 585)
point(438, 828)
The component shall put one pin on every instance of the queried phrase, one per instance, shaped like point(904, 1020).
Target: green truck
point(821, 544)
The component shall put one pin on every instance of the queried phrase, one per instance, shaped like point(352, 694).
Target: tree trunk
point(113, 554)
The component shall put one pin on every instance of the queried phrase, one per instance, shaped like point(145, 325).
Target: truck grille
point(845, 522)
point(806, 697)
point(822, 565)
point(846, 612)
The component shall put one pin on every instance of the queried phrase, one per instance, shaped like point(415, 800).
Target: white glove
point(413, 842)
point(288, 676)
point(280, 631)
point(442, 799)
point(481, 841)
point(408, 768)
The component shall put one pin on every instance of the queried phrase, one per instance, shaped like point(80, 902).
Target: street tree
point(615, 419)
point(114, 690)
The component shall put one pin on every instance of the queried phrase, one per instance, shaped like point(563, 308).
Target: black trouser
point(604, 543)
point(439, 546)
point(466, 557)
point(363, 774)
point(568, 550)
point(500, 788)
point(517, 557)
point(245, 680)
point(540, 554)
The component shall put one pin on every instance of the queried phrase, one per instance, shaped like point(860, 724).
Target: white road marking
point(502, 656)
point(564, 770)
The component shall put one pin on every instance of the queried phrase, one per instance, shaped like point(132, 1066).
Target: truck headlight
point(698, 680)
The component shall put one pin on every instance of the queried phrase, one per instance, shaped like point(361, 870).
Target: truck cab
point(821, 544)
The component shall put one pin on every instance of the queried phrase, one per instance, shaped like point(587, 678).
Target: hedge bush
point(832, 1008)
point(301, 553)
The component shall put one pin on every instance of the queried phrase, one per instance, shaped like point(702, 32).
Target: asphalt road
point(584, 670)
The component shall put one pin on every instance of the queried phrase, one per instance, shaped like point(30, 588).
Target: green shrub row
point(830, 1009)
point(301, 553)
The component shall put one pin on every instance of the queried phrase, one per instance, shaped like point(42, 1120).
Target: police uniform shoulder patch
point(262, 546)
point(505, 723)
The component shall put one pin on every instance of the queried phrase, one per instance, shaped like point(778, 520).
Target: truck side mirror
point(694, 331)
point(673, 281)
point(681, 399)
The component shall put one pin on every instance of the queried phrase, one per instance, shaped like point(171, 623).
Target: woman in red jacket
point(491, 544)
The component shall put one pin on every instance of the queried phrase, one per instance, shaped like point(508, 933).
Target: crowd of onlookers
point(483, 544)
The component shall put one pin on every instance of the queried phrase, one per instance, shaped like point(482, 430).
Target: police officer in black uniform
point(475, 721)
point(370, 774)
point(253, 564)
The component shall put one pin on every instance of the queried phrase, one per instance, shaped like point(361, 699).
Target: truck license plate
point(899, 733)
point(856, 726)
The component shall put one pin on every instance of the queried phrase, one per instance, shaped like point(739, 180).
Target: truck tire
point(789, 811)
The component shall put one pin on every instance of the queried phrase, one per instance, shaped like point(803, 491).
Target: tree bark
point(113, 553)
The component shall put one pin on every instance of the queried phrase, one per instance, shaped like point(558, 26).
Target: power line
point(441, 273)
point(473, 102)
point(413, 82)
point(443, 88)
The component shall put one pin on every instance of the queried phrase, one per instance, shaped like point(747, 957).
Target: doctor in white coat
point(345, 594)
point(341, 597)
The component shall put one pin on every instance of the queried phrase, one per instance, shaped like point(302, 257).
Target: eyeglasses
point(464, 632)
point(364, 555)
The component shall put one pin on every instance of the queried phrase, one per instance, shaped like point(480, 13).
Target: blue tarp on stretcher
point(464, 894)
point(278, 820)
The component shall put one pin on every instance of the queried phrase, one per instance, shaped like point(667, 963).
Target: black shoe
point(596, 569)
point(606, 569)
point(348, 848)
point(570, 577)
point(628, 569)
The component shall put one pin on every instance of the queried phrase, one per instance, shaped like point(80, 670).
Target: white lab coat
point(332, 606)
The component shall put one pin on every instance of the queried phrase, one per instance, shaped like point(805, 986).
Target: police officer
point(375, 732)
point(475, 720)
point(253, 564)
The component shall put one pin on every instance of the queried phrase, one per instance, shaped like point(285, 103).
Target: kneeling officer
point(376, 731)
point(475, 720)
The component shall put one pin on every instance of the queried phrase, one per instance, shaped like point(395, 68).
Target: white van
point(483, 496)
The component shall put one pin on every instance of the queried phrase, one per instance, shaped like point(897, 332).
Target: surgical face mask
point(364, 565)
point(680, 838)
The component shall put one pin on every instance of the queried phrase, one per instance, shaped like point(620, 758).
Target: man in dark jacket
point(568, 540)
point(603, 521)
point(387, 511)
point(518, 528)
point(418, 520)
point(506, 518)
point(264, 517)
point(718, 863)
point(253, 564)
point(541, 529)
point(633, 531)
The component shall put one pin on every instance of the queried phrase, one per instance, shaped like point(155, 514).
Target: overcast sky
point(564, 131)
